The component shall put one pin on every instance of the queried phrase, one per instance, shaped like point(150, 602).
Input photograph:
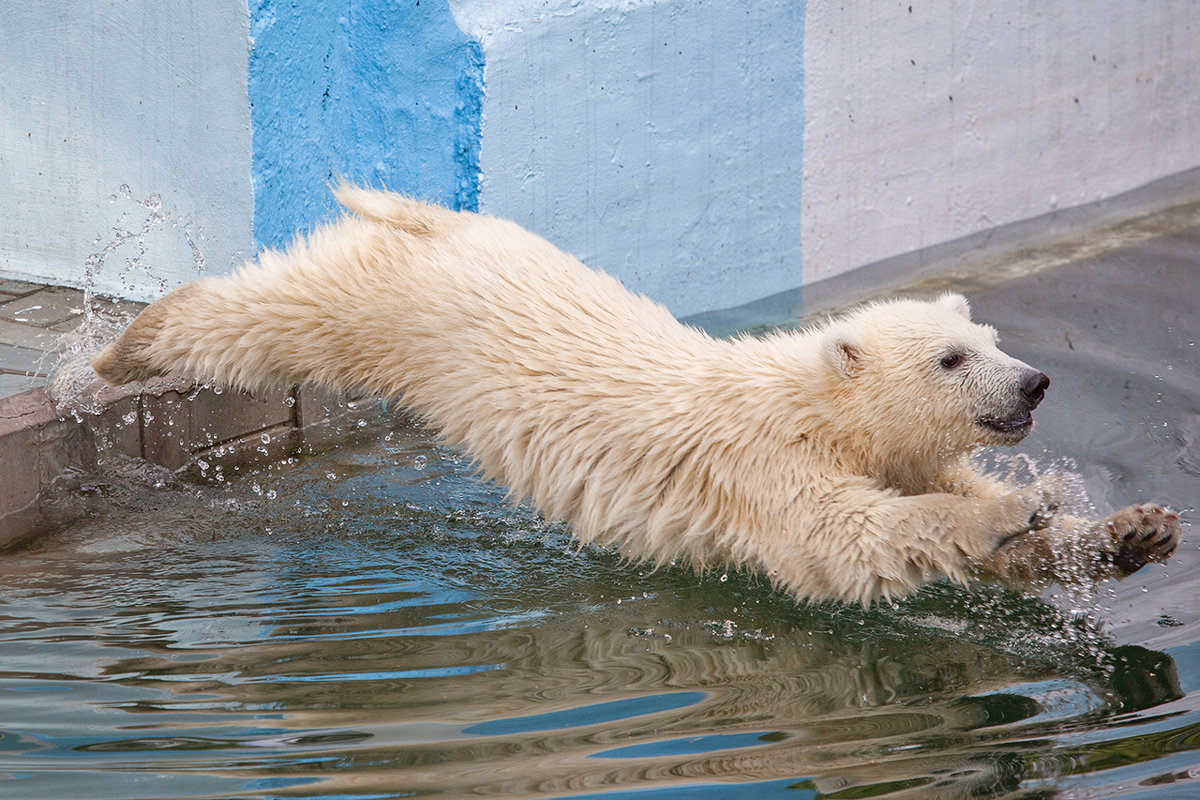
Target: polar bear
point(833, 459)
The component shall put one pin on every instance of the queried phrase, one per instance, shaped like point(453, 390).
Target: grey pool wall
point(707, 154)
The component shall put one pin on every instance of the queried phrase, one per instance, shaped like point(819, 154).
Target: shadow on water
point(374, 622)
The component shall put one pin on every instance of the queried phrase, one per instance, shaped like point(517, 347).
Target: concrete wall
point(660, 141)
point(365, 90)
point(706, 153)
point(103, 107)
point(931, 120)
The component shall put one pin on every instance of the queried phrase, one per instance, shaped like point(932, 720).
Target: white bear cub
point(832, 459)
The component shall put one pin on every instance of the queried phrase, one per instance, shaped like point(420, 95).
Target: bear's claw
point(1050, 490)
point(1041, 518)
point(1142, 534)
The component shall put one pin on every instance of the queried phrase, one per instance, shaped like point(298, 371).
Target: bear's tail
point(411, 216)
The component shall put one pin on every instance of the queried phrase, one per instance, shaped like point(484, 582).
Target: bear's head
point(921, 381)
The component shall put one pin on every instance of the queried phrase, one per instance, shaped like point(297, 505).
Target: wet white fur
point(831, 459)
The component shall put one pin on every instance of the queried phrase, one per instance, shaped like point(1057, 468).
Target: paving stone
point(67, 325)
point(31, 336)
point(120, 309)
point(16, 288)
point(11, 384)
point(24, 360)
point(45, 307)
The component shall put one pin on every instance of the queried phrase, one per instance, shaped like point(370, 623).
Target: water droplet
point(266, 438)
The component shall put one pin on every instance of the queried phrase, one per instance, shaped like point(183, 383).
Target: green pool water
point(375, 622)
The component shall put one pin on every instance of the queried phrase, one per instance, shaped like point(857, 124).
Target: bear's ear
point(843, 351)
point(956, 303)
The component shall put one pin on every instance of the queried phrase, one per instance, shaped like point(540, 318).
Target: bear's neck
point(899, 466)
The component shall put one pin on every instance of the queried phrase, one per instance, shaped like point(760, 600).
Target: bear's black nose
point(1034, 387)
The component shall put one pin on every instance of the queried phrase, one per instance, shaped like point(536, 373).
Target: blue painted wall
point(660, 141)
point(377, 92)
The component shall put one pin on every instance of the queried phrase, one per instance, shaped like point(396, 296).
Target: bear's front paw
point(1141, 534)
point(1040, 502)
point(1047, 492)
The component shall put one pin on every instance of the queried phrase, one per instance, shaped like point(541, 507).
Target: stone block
point(48, 306)
point(20, 525)
point(218, 418)
point(115, 428)
point(24, 419)
point(59, 446)
point(255, 449)
point(314, 404)
point(25, 360)
point(180, 421)
point(19, 474)
point(317, 406)
point(16, 288)
point(166, 429)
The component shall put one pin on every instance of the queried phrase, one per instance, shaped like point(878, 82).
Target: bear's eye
point(951, 360)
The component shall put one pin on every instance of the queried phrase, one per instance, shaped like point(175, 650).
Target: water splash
point(68, 361)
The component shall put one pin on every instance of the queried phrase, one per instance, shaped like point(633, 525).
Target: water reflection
point(345, 638)
point(375, 623)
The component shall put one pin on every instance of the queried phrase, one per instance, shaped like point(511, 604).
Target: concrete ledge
point(197, 433)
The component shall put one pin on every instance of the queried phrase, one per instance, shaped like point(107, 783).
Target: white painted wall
point(706, 153)
point(657, 140)
point(96, 96)
point(1055, 104)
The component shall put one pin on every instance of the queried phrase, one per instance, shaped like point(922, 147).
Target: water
point(125, 252)
point(374, 622)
